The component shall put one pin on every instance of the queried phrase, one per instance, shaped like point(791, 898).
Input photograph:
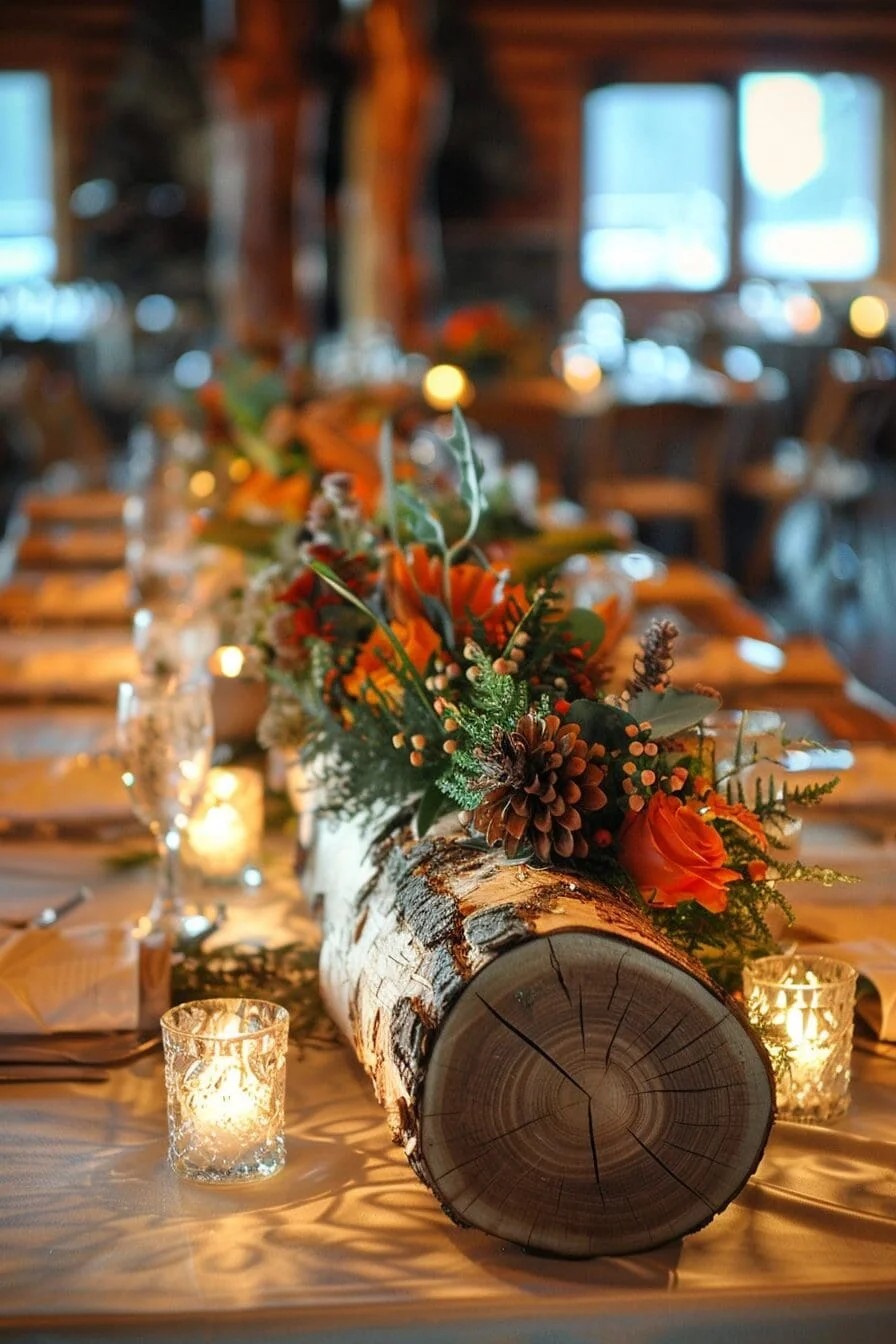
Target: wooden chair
point(827, 463)
point(531, 423)
point(660, 461)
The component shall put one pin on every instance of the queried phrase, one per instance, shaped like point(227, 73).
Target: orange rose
point(376, 661)
point(674, 856)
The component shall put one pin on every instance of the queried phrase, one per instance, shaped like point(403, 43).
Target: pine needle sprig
point(498, 701)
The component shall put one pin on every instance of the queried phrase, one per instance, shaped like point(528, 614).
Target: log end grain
point(586, 1096)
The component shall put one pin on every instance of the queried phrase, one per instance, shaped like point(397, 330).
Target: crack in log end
point(533, 1045)
point(669, 1172)
point(592, 1141)
point(558, 971)
point(359, 925)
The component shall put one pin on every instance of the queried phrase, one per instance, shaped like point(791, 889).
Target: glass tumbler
point(747, 747)
point(225, 1078)
point(803, 1005)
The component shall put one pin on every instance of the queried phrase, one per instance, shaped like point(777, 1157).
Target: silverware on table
point(50, 1073)
point(51, 914)
point(83, 1050)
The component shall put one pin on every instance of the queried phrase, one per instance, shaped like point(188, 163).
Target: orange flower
point(377, 658)
point(474, 593)
point(711, 804)
point(285, 498)
point(675, 856)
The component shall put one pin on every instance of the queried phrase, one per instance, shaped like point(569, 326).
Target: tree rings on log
point(586, 1096)
point(558, 1073)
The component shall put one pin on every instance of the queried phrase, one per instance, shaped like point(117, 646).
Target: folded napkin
point(867, 773)
point(875, 959)
point(70, 792)
point(66, 664)
point(48, 597)
point(69, 978)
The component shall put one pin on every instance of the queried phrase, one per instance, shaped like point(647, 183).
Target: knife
point(50, 1073)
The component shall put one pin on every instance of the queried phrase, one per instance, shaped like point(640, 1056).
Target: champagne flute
point(165, 736)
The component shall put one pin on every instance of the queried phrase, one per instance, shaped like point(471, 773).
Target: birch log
point(557, 1072)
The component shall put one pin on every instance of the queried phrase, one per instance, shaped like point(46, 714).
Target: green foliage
point(586, 627)
point(418, 518)
point(497, 701)
point(601, 722)
point(470, 470)
point(724, 942)
point(672, 711)
point(284, 975)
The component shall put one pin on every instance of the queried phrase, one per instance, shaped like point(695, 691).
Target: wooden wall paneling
point(79, 46)
point(545, 59)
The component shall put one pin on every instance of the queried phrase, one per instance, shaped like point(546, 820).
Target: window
point(27, 243)
point(661, 162)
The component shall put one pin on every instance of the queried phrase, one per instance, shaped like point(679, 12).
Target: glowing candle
point(228, 661)
point(225, 1073)
point(224, 834)
point(803, 1005)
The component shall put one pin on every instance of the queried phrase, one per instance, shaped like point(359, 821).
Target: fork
point(51, 914)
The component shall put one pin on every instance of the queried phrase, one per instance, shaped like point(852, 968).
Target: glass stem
point(167, 904)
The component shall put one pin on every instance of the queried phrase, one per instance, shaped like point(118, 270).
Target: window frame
point(36, 58)
point(676, 65)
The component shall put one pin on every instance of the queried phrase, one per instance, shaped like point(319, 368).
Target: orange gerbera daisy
point(377, 658)
point(474, 593)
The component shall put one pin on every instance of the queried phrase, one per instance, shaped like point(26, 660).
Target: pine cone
point(540, 779)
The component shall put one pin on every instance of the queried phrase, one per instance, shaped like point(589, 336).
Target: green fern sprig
point(774, 798)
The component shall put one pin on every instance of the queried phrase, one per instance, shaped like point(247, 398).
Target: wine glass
point(165, 736)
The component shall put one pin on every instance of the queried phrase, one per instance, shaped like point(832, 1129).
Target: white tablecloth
point(100, 1240)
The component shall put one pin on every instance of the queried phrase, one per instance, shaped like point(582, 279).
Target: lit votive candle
point(225, 1079)
point(239, 694)
point(224, 833)
point(804, 1007)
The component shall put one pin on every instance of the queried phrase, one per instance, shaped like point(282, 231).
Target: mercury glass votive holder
point(803, 1006)
point(225, 1078)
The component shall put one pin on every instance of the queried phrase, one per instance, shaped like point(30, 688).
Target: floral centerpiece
point(488, 338)
point(420, 673)
point(276, 441)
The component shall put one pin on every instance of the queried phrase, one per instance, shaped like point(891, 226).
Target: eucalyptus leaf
point(587, 627)
point(672, 711)
point(470, 471)
point(419, 518)
point(601, 722)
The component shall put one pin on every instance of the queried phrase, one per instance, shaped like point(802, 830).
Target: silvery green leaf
point(422, 522)
point(672, 711)
point(587, 627)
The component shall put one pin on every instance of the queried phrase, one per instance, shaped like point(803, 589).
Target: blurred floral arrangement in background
point(490, 338)
point(420, 675)
point(273, 440)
